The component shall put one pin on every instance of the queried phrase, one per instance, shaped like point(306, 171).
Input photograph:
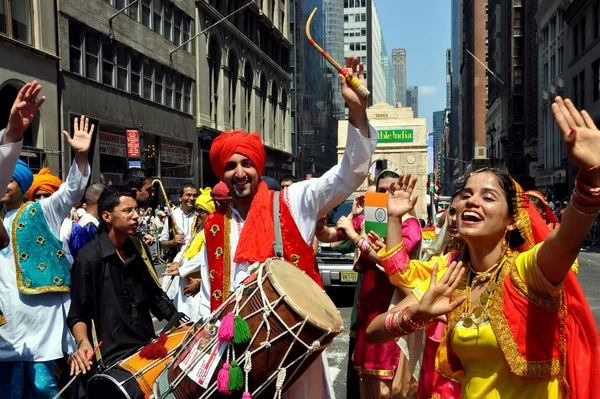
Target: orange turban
point(44, 180)
point(236, 142)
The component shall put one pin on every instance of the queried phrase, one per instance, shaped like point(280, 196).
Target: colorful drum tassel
point(241, 330)
point(223, 379)
point(226, 329)
point(236, 377)
point(155, 350)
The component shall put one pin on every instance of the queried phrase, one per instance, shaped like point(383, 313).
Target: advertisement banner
point(113, 144)
point(174, 154)
point(133, 143)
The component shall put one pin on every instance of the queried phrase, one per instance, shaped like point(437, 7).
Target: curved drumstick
point(351, 79)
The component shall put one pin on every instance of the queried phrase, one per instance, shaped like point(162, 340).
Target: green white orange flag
point(376, 217)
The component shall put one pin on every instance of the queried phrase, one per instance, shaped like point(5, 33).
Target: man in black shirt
point(114, 284)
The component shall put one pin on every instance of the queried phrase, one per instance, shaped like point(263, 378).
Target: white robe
point(308, 201)
point(9, 154)
point(36, 324)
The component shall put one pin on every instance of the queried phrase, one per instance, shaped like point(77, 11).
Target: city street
point(337, 354)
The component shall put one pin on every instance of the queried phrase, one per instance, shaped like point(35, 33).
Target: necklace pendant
point(468, 322)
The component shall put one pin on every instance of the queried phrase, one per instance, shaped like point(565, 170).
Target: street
point(337, 354)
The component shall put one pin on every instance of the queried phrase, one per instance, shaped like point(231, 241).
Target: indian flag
point(376, 217)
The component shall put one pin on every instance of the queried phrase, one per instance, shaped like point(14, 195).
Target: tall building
point(513, 96)
point(448, 78)
point(453, 166)
point(438, 143)
point(582, 61)
point(334, 44)
point(122, 71)
point(552, 155)
point(390, 85)
point(314, 112)
point(28, 43)
point(362, 38)
point(473, 81)
point(399, 70)
point(412, 99)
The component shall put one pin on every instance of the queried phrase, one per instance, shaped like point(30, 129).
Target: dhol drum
point(133, 377)
point(291, 321)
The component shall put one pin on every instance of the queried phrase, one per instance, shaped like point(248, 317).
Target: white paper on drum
point(203, 371)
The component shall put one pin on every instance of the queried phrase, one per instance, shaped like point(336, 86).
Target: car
point(335, 267)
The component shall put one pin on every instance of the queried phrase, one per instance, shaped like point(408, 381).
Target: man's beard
point(245, 193)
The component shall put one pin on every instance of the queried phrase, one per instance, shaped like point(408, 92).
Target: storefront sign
point(174, 154)
point(133, 144)
point(113, 144)
point(396, 136)
point(134, 164)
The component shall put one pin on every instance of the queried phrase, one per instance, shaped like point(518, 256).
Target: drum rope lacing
point(268, 309)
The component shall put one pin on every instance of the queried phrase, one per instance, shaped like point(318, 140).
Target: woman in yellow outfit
point(512, 307)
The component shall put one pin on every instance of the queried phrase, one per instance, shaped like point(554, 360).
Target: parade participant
point(243, 232)
point(184, 220)
point(511, 289)
point(537, 199)
point(271, 183)
point(115, 285)
point(90, 221)
point(220, 194)
point(287, 181)
point(34, 277)
point(140, 181)
point(186, 280)
point(447, 239)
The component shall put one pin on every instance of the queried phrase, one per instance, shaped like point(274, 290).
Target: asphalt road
point(337, 354)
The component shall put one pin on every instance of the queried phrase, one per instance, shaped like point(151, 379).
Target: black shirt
point(117, 295)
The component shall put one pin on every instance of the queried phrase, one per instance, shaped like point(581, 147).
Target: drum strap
point(278, 243)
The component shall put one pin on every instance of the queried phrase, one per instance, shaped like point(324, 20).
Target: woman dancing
point(515, 307)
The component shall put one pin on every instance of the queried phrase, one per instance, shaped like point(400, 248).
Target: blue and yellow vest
point(41, 263)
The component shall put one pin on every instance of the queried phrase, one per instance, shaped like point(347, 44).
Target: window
point(345, 17)
point(169, 89)
point(20, 15)
point(362, 3)
point(177, 28)
point(249, 78)
point(545, 75)
point(119, 4)
point(582, 30)
point(147, 90)
point(122, 68)
point(575, 92)
point(186, 33)
point(92, 47)
point(146, 13)
point(560, 60)
point(75, 36)
point(178, 92)
point(274, 101)
point(263, 104)
point(582, 88)
point(351, 46)
point(363, 17)
point(108, 62)
point(575, 40)
point(133, 10)
point(187, 96)
point(2, 17)
point(168, 22)
point(233, 82)
point(596, 77)
point(158, 84)
point(157, 22)
point(136, 72)
point(363, 31)
point(356, 17)
point(596, 14)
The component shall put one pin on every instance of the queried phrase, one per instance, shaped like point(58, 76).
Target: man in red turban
point(244, 227)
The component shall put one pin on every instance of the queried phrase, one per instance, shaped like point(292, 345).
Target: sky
point(422, 27)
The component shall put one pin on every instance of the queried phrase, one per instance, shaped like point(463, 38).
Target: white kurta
point(9, 154)
point(175, 292)
point(36, 324)
point(308, 201)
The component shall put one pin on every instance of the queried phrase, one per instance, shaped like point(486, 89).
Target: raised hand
point(345, 224)
point(353, 99)
point(375, 241)
point(82, 135)
point(400, 199)
point(23, 111)
point(581, 135)
point(358, 205)
point(436, 301)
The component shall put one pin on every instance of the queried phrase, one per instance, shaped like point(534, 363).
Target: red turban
point(44, 180)
point(237, 142)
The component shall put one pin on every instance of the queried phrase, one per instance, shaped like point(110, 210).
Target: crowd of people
point(491, 309)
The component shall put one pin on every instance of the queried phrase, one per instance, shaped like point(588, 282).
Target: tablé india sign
point(396, 136)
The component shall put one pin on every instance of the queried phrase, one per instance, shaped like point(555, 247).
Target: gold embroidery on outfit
point(217, 294)
point(42, 267)
point(211, 275)
point(214, 229)
point(57, 280)
point(24, 256)
point(377, 373)
point(28, 283)
point(60, 253)
point(219, 252)
point(40, 240)
point(21, 226)
point(227, 257)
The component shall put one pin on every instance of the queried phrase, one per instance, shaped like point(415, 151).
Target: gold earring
point(505, 244)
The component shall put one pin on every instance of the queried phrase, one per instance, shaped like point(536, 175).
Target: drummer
point(115, 285)
point(246, 222)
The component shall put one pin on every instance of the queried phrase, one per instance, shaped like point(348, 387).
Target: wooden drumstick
point(77, 375)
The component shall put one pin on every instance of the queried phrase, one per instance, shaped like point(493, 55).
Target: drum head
point(114, 383)
point(304, 295)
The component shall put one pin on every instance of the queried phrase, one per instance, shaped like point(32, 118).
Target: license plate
point(349, 277)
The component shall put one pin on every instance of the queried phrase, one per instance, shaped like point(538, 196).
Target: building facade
point(438, 142)
point(117, 71)
point(473, 81)
point(399, 72)
point(390, 85)
point(412, 99)
point(244, 77)
point(28, 43)
point(363, 39)
point(334, 44)
point(402, 144)
point(453, 166)
point(551, 175)
point(582, 76)
point(513, 95)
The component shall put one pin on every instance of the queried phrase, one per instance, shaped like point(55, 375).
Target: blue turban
point(23, 175)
